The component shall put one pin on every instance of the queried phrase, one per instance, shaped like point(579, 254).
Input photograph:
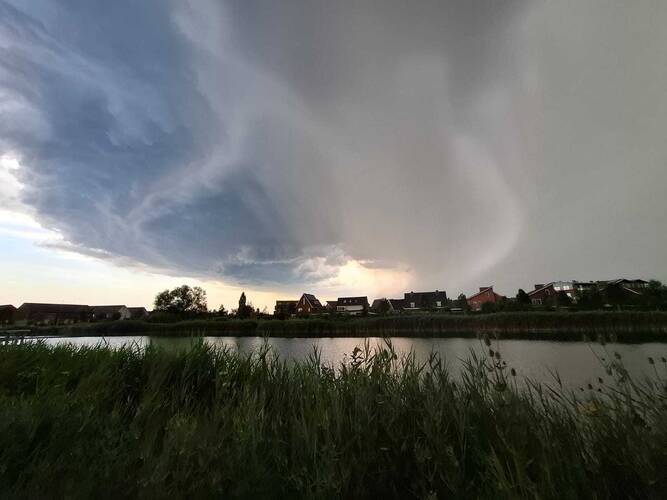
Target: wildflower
point(513, 372)
point(650, 361)
point(663, 359)
point(497, 355)
point(617, 355)
point(491, 353)
point(590, 387)
point(487, 341)
point(600, 380)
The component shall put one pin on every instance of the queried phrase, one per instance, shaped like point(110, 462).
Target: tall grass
point(143, 423)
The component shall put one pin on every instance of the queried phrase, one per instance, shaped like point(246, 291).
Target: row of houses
point(542, 294)
point(545, 293)
point(411, 301)
point(31, 313)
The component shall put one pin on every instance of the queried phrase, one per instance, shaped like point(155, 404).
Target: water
point(576, 363)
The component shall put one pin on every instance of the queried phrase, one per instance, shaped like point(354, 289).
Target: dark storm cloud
point(269, 141)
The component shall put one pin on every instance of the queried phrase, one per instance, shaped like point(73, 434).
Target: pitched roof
point(7, 307)
point(396, 304)
point(539, 289)
point(312, 299)
point(352, 301)
point(54, 308)
point(483, 289)
point(105, 309)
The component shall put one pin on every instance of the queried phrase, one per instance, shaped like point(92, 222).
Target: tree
point(183, 299)
point(488, 307)
point(245, 310)
point(615, 294)
point(590, 299)
point(656, 294)
point(383, 307)
point(462, 302)
point(563, 299)
point(222, 311)
point(522, 298)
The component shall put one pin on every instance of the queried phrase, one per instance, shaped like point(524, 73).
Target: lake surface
point(577, 363)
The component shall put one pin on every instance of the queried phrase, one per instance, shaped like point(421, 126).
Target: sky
point(340, 148)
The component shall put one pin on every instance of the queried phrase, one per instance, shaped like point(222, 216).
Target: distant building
point(138, 312)
point(106, 313)
point(309, 304)
point(397, 305)
point(544, 294)
point(7, 314)
point(485, 294)
point(413, 301)
point(331, 305)
point(637, 286)
point(51, 314)
point(622, 291)
point(285, 308)
point(352, 305)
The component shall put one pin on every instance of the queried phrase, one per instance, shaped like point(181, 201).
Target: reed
point(629, 326)
point(82, 422)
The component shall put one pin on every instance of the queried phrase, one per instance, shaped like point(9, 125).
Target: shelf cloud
point(275, 143)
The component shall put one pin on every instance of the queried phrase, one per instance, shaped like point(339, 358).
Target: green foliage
point(383, 307)
point(488, 307)
point(462, 302)
point(181, 300)
point(522, 298)
point(206, 422)
point(245, 310)
point(562, 299)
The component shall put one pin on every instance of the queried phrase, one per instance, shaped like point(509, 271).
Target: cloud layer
point(275, 143)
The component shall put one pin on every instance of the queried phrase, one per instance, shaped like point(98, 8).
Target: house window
point(438, 303)
point(412, 305)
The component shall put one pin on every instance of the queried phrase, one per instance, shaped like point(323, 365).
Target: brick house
point(543, 294)
point(309, 304)
point(485, 294)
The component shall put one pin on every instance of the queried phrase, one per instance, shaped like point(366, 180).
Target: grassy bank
point(95, 423)
point(627, 326)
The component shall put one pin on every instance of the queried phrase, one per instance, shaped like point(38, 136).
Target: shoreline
point(622, 326)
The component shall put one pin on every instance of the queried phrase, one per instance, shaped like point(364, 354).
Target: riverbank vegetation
point(207, 422)
point(626, 325)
